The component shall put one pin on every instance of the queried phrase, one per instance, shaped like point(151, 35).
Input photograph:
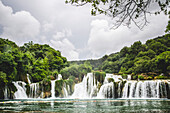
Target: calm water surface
point(85, 106)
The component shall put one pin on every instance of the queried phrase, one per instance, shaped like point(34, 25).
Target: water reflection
point(85, 106)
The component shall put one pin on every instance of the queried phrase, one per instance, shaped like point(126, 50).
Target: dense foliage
point(77, 71)
point(151, 57)
point(39, 61)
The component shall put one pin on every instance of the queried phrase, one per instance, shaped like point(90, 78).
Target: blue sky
point(70, 29)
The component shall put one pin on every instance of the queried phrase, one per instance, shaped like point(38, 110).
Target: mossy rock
point(110, 80)
point(58, 88)
point(99, 76)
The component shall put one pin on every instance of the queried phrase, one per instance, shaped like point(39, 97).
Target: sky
point(70, 29)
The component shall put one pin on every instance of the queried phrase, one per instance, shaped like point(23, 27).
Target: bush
point(161, 77)
point(134, 77)
point(140, 77)
point(149, 78)
point(124, 76)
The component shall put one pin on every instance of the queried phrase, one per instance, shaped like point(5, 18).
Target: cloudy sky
point(72, 30)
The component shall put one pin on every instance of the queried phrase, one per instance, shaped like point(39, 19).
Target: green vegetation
point(39, 61)
point(77, 71)
point(153, 57)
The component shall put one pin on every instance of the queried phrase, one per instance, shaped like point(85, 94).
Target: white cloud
point(61, 43)
point(103, 40)
point(80, 39)
point(21, 25)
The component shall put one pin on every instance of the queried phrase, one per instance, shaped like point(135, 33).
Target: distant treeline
point(153, 57)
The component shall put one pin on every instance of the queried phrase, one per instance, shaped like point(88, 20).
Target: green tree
point(3, 79)
point(8, 66)
point(163, 62)
point(157, 47)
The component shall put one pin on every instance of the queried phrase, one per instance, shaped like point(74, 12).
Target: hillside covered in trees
point(41, 62)
point(151, 58)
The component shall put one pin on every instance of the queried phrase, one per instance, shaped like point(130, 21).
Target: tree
point(163, 62)
point(125, 11)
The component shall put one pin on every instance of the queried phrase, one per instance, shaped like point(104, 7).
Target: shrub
point(140, 77)
point(124, 76)
point(161, 77)
point(134, 77)
point(149, 78)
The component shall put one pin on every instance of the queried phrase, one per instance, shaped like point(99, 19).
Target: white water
point(116, 78)
point(34, 90)
point(53, 88)
point(128, 77)
point(59, 77)
point(88, 88)
point(85, 89)
point(21, 90)
point(29, 82)
point(6, 93)
point(145, 89)
point(65, 92)
point(107, 90)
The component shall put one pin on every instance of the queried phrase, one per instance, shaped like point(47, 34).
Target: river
point(85, 105)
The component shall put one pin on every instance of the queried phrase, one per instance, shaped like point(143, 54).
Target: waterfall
point(107, 90)
point(29, 82)
point(34, 90)
point(116, 78)
point(59, 77)
point(112, 87)
point(129, 77)
point(145, 89)
point(65, 92)
point(21, 90)
point(87, 88)
point(53, 88)
point(6, 93)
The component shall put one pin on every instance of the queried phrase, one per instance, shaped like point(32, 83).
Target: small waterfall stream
point(53, 88)
point(6, 93)
point(34, 90)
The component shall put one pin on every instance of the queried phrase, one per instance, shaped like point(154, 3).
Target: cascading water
point(34, 90)
point(116, 87)
point(53, 85)
point(65, 91)
point(128, 77)
point(29, 82)
point(145, 89)
point(21, 90)
point(53, 88)
point(85, 89)
point(107, 90)
point(6, 93)
point(112, 87)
